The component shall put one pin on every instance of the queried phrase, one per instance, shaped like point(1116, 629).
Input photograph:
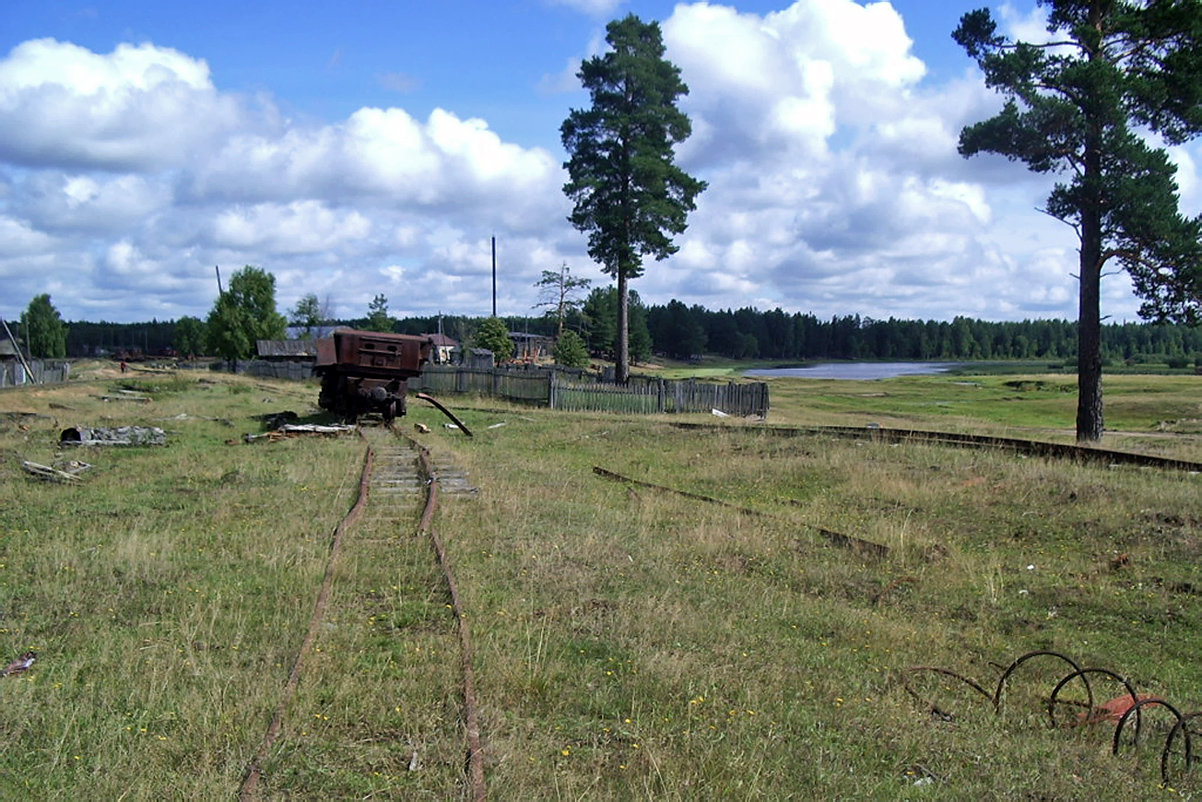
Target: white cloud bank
point(834, 187)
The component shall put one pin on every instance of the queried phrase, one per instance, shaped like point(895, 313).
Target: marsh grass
point(628, 643)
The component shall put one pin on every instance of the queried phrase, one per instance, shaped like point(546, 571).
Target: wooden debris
point(48, 473)
point(295, 430)
point(126, 395)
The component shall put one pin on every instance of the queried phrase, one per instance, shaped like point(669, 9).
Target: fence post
point(552, 386)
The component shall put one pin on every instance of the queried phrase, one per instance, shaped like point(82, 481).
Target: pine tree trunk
point(1089, 355)
point(622, 368)
point(1089, 318)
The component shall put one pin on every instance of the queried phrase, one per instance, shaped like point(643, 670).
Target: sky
point(378, 147)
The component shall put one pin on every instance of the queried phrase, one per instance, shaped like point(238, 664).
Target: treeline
point(114, 339)
point(682, 332)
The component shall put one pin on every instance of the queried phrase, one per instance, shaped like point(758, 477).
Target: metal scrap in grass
point(858, 545)
point(1126, 707)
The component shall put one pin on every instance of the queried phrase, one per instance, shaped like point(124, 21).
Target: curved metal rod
point(1136, 709)
point(947, 673)
point(446, 412)
point(1183, 725)
point(1080, 673)
point(997, 696)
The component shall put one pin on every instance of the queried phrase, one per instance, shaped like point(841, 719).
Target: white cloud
point(17, 238)
point(1031, 26)
point(137, 107)
point(594, 8)
point(385, 156)
point(97, 203)
point(834, 184)
point(297, 227)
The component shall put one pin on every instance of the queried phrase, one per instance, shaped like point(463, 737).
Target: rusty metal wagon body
point(368, 372)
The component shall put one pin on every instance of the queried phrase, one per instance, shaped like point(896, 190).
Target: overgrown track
point(1032, 448)
point(856, 544)
point(254, 771)
point(395, 470)
point(405, 468)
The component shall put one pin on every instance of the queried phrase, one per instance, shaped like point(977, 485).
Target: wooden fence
point(531, 386)
point(13, 373)
point(567, 389)
point(292, 370)
point(662, 396)
point(576, 391)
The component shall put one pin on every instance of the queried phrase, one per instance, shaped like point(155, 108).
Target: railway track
point(398, 477)
point(1032, 448)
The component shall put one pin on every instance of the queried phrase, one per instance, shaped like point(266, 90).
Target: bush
point(570, 350)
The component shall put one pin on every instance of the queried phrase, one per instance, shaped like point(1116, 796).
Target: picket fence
point(576, 391)
point(566, 389)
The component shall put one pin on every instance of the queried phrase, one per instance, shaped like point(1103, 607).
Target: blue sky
point(373, 147)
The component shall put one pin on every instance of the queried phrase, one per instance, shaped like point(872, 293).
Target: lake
point(857, 371)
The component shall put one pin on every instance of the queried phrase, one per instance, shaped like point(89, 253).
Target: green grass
point(628, 643)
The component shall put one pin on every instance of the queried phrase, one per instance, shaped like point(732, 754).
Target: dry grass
point(629, 643)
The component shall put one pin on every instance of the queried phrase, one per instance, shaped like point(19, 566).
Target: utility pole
point(494, 276)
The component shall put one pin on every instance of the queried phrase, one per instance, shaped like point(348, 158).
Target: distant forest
point(681, 332)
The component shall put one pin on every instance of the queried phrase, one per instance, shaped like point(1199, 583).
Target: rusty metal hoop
point(1136, 708)
point(1183, 725)
point(1081, 673)
point(997, 696)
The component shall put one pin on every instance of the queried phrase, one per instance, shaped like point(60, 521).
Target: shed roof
point(297, 348)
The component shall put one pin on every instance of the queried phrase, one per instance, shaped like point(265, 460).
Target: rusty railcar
point(368, 371)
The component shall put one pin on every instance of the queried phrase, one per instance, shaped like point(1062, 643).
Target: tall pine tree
point(629, 196)
point(1081, 104)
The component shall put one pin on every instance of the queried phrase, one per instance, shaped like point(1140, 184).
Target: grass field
point(628, 643)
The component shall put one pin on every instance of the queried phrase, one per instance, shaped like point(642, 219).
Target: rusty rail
point(434, 401)
point(858, 545)
point(475, 753)
point(1033, 448)
point(471, 714)
point(255, 769)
